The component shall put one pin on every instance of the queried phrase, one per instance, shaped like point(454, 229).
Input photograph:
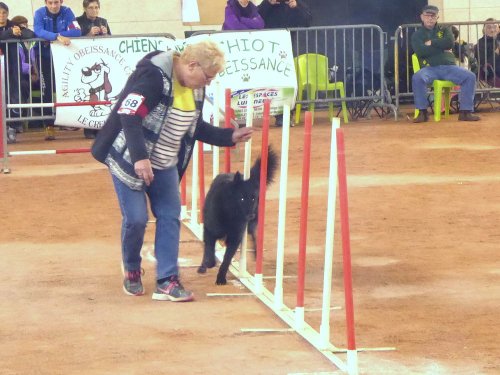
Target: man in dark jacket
point(434, 44)
point(8, 31)
point(283, 14)
point(147, 142)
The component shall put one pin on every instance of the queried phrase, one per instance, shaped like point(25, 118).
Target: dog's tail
point(272, 165)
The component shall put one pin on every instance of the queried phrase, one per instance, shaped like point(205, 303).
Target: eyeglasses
point(430, 15)
point(207, 77)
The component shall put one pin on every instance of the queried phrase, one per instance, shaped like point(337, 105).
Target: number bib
point(131, 104)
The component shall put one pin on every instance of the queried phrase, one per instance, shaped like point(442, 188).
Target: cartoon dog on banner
point(99, 87)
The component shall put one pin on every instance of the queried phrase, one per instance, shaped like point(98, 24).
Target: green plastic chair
point(313, 76)
point(439, 86)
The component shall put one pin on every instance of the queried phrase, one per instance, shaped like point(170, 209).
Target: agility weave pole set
point(292, 317)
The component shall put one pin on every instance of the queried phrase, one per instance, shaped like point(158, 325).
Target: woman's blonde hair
point(206, 53)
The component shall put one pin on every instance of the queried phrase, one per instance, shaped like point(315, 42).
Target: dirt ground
point(424, 201)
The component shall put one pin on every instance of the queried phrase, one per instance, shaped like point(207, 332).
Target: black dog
point(231, 203)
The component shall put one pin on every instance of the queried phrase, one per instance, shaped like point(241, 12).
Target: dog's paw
point(221, 280)
point(202, 269)
point(211, 263)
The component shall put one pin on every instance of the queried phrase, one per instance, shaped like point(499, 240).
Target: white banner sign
point(260, 62)
point(92, 70)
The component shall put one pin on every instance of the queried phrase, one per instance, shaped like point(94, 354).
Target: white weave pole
point(280, 247)
point(246, 176)
point(216, 114)
point(194, 190)
point(330, 233)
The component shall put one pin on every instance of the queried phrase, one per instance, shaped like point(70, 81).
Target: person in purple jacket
point(242, 15)
point(52, 22)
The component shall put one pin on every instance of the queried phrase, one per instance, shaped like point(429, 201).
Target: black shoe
point(278, 121)
point(468, 116)
point(422, 117)
point(89, 133)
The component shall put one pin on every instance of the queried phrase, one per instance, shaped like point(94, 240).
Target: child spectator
point(27, 68)
point(488, 53)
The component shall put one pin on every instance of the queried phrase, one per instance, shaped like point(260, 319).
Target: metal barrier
point(356, 56)
point(466, 51)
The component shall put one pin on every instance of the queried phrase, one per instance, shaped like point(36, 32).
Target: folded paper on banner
point(190, 12)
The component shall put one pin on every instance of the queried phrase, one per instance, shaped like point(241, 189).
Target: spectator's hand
point(16, 30)
point(94, 30)
point(34, 77)
point(144, 171)
point(63, 39)
point(291, 3)
point(104, 30)
point(428, 43)
point(273, 2)
point(241, 134)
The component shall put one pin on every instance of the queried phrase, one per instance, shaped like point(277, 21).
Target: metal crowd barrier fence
point(355, 57)
point(352, 56)
point(481, 61)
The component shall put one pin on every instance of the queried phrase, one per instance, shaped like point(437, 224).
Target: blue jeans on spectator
point(456, 74)
point(163, 194)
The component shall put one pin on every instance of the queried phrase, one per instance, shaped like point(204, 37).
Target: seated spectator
point(488, 53)
point(434, 43)
point(242, 15)
point(52, 22)
point(90, 22)
point(92, 25)
point(9, 30)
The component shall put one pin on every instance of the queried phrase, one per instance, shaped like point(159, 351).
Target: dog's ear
point(237, 177)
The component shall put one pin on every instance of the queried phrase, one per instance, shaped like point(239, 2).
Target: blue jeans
point(163, 194)
point(456, 74)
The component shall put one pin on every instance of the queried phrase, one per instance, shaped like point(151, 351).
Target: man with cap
point(433, 43)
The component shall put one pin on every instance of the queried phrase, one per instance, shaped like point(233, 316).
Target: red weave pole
point(304, 205)
point(227, 124)
point(183, 191)
point(262, 193)
point(79, 104)
point(346, 240)
point(201, 178)
point(73, 151)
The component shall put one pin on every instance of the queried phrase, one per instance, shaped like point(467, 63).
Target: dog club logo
point(96, 88)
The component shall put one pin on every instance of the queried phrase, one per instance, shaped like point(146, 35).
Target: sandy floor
point(424, 202)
